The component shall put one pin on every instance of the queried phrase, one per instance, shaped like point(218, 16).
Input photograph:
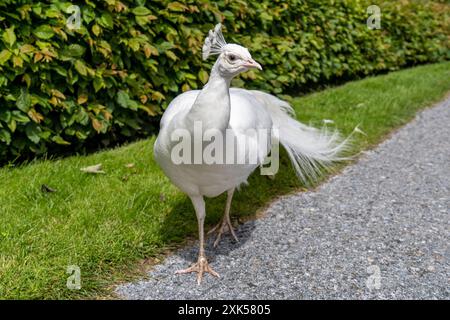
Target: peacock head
point(233, 58)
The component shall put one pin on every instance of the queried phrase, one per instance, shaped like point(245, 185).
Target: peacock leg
point(226, 221)
point(201, 266)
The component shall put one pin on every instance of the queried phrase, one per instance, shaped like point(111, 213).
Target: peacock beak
point(250, 63)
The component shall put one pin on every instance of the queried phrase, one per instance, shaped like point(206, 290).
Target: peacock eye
point(232, 57)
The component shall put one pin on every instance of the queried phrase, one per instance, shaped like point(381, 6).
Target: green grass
point(107, 223)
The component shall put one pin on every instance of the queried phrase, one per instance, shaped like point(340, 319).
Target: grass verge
point(106, 223)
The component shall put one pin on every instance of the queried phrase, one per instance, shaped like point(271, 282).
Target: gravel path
point(379, 230)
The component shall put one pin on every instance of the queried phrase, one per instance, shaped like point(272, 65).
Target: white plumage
point(217, 107)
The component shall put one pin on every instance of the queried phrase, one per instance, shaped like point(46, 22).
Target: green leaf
point(228, 14)
point(20, 117)
point(17, 61)
point(134, 44)
point(283, 78)
point(142, 20)
point(96, 29)
point(52, 13)
point(98, 84)
point(165, 45)
point(106, 21)
point(12, 125)
point(81, 67)
point(23, 102)
point(141, 11)
point(44, 32)
point(203, 76)
point(5, 136)
point(4, 56)
point(5, 116)
point(75, 50)
point(9, 37)
point(80, 135)
point(122, 99)
point(60, 140)
point(88, 14)
point(82, 117)
point(45, 135)
point(176, 6)
point(60, 70)
point(171, 55)
point(266, 16)
point(32, 131)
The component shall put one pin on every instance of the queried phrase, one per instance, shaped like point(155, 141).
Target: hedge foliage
point(64, 90)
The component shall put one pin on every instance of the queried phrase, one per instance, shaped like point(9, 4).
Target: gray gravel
point(389, 213)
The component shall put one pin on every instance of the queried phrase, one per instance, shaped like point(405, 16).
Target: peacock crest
point(214, 42)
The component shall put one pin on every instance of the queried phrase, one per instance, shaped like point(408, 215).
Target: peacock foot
point(220, 228)
point(201, 266)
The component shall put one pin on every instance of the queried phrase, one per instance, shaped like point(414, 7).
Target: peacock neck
point(212, 106)
point(216, 79)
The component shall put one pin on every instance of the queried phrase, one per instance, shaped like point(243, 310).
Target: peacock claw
point(221, 228)
point(201, 266)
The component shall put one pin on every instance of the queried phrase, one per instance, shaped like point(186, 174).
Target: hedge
point(64, 90)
